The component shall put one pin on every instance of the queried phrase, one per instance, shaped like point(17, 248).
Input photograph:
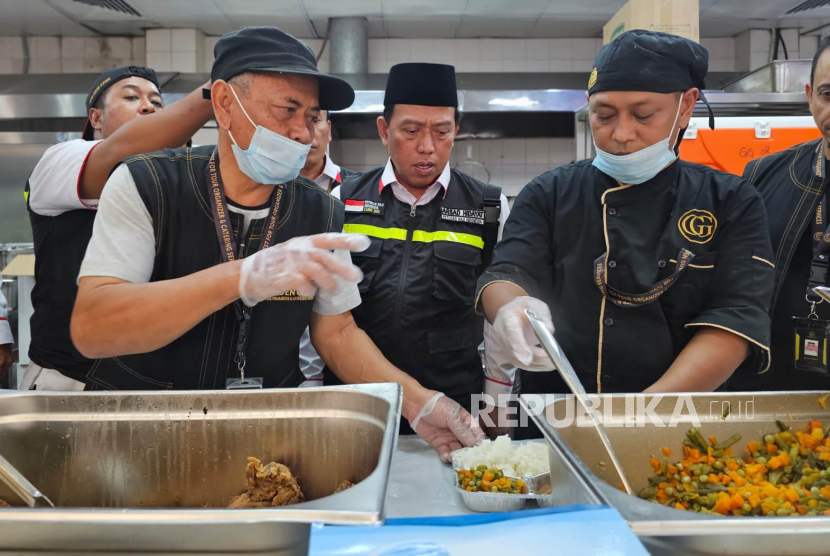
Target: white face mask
point(641, 166)
point(270, 158)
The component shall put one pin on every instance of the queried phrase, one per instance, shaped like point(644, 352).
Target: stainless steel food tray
point(577, 477)
point(153, 471)
point(496, 502)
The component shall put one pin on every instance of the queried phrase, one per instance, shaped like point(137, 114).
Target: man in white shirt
point(189, 287)
point(6, 338)
point(62, 195)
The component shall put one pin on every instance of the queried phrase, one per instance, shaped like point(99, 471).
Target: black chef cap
point(422, 85)
point(651, 61)
point(268, 49)
point(107, 80)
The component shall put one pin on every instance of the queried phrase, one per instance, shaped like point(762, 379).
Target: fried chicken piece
point(345, 485)
point(243, 501)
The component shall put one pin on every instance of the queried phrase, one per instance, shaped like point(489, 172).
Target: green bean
point(782, 426)
point(735, 438)
point(646, 493)
point(655, 480)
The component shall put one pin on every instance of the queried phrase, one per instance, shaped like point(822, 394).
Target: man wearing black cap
point(63, 193)
point(793, 184)
point(433, 230)
point(655, 271)
point(210, 284)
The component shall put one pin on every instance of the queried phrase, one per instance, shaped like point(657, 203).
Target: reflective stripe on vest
point(418, 235)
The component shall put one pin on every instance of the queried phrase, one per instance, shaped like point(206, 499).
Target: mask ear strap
point(240, 105)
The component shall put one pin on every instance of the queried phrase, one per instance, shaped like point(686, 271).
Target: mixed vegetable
point(787, 473)
point(484, 479)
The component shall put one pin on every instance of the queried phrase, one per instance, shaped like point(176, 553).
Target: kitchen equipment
point(153, 471)
point(9, 251)
point(554, 351)
point(577, 475)
point(21, 486)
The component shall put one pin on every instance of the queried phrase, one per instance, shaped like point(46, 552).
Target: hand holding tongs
point(21, 486)
point(554, 351)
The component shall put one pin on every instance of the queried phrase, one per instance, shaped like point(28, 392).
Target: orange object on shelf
point(731, 148)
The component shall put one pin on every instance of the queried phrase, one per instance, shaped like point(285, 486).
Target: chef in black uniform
point(793, 184)
point(656, 271)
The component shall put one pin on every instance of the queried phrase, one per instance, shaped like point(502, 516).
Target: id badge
point(253, 383)
point(811, 337)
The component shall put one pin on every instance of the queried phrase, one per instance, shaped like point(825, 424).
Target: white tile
point(584, 48)
point(598, 44)
point(6, 66)
point(159, 61)
point(467, 50)
point(377, 50)
point(759, 40)
point(72, 65)
point(323, 66)
point(377, 65)
point(561, 49)
point(537, 151)
point(538, 66)
point(467, 66)
point(119, 47)
point(807, 46)
point(561, 151)
point(375, 153)
point(183, 61)
point(491, 49)
point(538, 49)
point(207, 57)
point(515, 66)
point(92, 47)
point(138, 61)
point(41, 65)
point(513, 174)
point(138, 47)
point(708, 44)
point(17, 48)
point(399, 49)
point(758, 59)
point(17, 65)
point(561, 66)
point(6, 47)
point(496, 174)
point(583, 65)
point(491, 152)
point(443, 49)
point(515, 151)
point(492, 66)
point(721, 65)
point(45, 48)
point(72, 47)
point(514, 49)
point(535, 170)
point(352, 153)
point(183, 40)
point(159, 40)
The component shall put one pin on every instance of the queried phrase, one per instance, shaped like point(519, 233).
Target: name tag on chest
point(365, 207)
point(470, 216)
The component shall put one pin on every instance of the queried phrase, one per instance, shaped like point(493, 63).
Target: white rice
point(514, 459)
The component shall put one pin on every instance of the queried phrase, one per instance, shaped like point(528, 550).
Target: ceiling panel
point(343, 8)
point(415, 9)
point(500, 8)
point(293, 26)
point(741, 9)
point(255, 8)
point(37, 17)
point(565, 28)
point(443, 28)
point(584, 9)
point(174, 10)
point(496, 28)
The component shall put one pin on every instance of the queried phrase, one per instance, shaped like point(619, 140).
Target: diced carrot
point(663, 485)
point(754, 500)
point(469, 489)
point(655, 464)
point(801, 509)
point(672, 470)
point(488, 476)
point(772, 448)
point(679, 506)
point(713, 440)
point(815, 424)
point(825, 491)
point(818, 434)
point(725, 479)
point(728, 451)
point(731, 465)
point(791, 495)
point(824, 456)
point(666, 451)
point(687, 487)
point(825, 512)
point(752, 446)
point(737, 501)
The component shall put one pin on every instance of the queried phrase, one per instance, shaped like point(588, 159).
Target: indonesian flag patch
point(365, 207)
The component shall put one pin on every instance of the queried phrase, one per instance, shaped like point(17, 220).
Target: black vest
point(173, 185)
point(420, 278)
point(60, 245)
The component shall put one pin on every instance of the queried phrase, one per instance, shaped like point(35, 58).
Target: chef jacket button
point(612, 211)
point(612, 264)
point(661, 264)
point(609, 321)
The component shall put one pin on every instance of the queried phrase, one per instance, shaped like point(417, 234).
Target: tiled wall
point(71, 54)
point(512, 162)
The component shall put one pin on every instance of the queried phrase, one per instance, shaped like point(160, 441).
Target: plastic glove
point(447, 426)
point(515, 342)
point(301, 264)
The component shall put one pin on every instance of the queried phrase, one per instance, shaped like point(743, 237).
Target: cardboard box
point(678, 17)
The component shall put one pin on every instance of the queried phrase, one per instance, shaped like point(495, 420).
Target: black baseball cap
point(107, 80)
point(421, 84)
point(653, 62)
point(270, 50)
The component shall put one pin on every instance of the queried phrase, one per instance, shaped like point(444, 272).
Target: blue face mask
point(270, 158)
point(641, 166)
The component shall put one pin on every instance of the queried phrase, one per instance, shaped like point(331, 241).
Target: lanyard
point(821, 235)
point(620, 299)
point(227, 243)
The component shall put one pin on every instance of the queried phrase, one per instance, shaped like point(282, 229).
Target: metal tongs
point(554, 351)
point(21, 486)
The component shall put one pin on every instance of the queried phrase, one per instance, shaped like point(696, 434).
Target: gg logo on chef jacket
point(698, 226)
